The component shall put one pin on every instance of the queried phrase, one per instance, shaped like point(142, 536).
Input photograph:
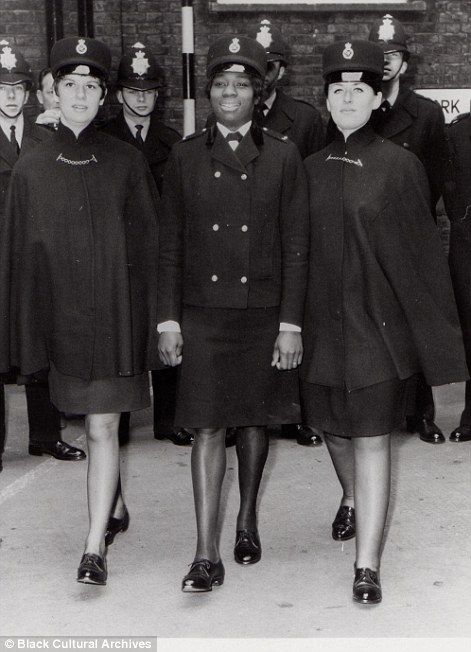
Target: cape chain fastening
point(69, 162)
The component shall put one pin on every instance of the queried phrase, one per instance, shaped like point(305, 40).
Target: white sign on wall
point(452, 101)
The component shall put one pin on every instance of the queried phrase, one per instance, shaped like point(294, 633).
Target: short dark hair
point(68, 70)
point(43, 73)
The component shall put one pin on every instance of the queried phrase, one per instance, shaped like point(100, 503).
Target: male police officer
point(137, 123)
point(18, 134)
point(48, 100)
point(417, 124)
point(457, 196)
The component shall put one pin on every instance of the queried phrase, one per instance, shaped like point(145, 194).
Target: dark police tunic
point(233, 265)
point(379, 303)
point(298, 120)
point(457, 198)
point(78, 260)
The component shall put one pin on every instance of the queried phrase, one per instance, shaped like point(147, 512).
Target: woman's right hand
point(170, 348)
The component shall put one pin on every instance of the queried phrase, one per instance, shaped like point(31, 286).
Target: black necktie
point(265, 109)
point(235, 137)
point(13, 140)
point(139, 141)
point(385, 107)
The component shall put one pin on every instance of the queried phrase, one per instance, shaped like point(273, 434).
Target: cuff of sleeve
point(169, 326)
point(289, 327)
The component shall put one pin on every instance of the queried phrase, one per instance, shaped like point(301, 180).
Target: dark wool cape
point(78, 259)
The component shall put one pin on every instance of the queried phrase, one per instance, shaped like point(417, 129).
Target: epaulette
point(460, 117)
point(275, 134)
point(197, 134)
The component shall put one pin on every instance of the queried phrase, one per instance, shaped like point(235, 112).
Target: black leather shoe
point(247, 549)
point(428, 431)
point(366, 586)
point(59, 449)
point(231, 437)
point(92, 569)
point(462, 433)
point(343, 526)
point(179, 437)
point(115, 526)
point(203, 575)
point(307, 436)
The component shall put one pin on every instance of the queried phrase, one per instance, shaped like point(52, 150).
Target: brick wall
point(439, 39)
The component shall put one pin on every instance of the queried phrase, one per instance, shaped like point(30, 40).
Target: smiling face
point(351, 103)
point(232, 99)
point(80, 97)
point(13, 97)
point(137, 102)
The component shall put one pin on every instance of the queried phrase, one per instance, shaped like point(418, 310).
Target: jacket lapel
point(221, 151)
point(7, 151)
point(401, 116)
point(279, 118)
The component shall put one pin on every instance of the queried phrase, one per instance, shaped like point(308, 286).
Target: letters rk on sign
point(452, 101)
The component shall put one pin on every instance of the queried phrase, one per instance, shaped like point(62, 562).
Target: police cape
point(379, 302)
point(78, 256)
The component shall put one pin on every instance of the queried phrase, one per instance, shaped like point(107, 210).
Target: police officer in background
point(302, 123)
point(137, 124)
point(457, 196)
point(48, 100)
point(17, 136)
point(417, 124)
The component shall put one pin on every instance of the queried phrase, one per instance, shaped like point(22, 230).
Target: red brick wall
point(439, 39)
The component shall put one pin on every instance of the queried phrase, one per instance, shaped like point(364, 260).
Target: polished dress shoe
point(115, 526)
point(231, 437)
point(179, 437)
point(462, 433)
point(92, 569)
point(247, 549)
point(307, 436)
point(366, 586)
point(59, 449)
point(428, 431)
point(343, 526)
point(203, 575)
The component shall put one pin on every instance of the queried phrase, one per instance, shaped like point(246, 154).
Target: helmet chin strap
point(11, 117)
point(139, 115)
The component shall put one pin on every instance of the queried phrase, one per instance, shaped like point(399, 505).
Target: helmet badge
point(7, 58)
point(81, 46)
point(234, 46)
point(264, 36)
point(348, 51)
point(140, 64)
point(386, 30)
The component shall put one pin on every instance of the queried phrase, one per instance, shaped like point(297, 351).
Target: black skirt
point(366, 412)
point(226, 376)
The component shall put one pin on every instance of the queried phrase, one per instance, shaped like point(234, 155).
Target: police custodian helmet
point(82, 56)
point(390, 35)
point(138, 69)
point(237, 53)
point(14, 69)
point(271, 39)
point(341, 60)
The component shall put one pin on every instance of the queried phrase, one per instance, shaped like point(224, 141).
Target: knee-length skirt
point(366, 412)
point(226, 377)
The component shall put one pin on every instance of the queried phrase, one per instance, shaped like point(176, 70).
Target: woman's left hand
point(288, 350)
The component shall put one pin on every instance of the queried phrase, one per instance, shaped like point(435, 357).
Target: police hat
point(270, 37)
point(84, 52)
point(352, 56)
point(389, 34)
point(138, 69)
point(14, 69)
point(239, 50)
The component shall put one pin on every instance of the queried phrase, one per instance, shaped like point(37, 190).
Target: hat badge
point(7, 58)
point(81, 46)
point(348, 51)
point(234, 46)
point(386, 29)
point(264, 36)
point(140, 64)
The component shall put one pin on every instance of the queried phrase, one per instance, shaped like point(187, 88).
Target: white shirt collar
point(243, 130)
point(145, 122)
point(19, 125)
point(270, 101)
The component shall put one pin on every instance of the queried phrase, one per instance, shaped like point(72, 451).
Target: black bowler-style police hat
point(138, 69)
point(82, 52)
point(352, 57)
point(389, 34)
point(271, 39)
point(14, 69)
point(240, 51)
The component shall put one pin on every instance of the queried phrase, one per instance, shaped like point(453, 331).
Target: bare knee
point(209, 435)
point(102, 427)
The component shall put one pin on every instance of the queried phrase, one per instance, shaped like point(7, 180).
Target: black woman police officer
point(377, 275)
point(232, 268)
point(82, 257)
point(457, 196)
point(415, 123)
point(137, 124)
point(18, 135)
